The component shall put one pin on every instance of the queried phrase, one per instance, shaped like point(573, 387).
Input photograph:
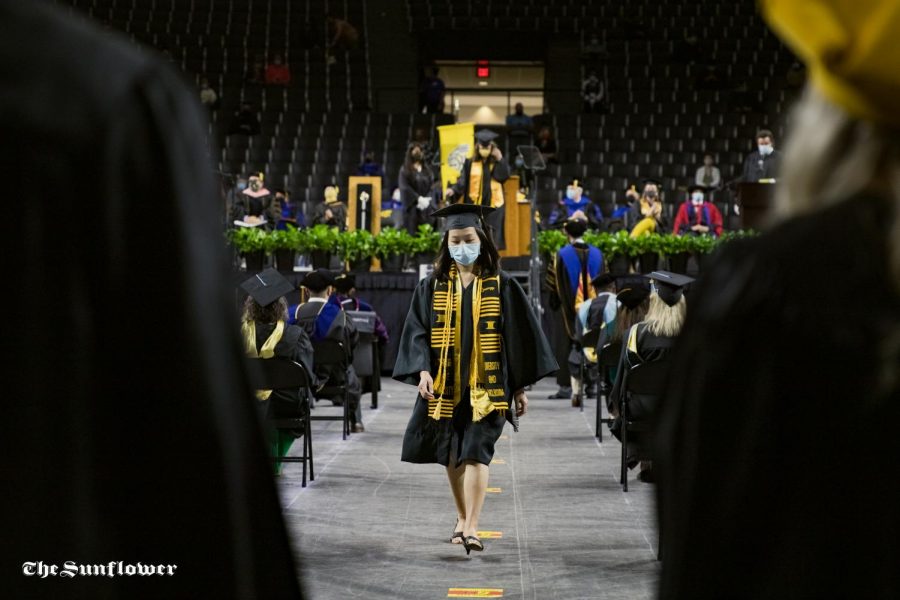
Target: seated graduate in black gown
point(266, 335)
point(323, 318)
point(650, 340)
point(631, 303)
point(472, 344)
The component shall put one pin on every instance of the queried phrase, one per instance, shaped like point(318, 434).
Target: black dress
point(779, 445)
point(429, 441)
point(129, 428)
point(413, 184)
point(293, 345)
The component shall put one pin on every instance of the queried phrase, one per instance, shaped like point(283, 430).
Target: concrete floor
point(373, 527)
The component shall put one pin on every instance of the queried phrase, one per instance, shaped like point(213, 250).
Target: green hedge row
point(621, 244)
point(349, 245)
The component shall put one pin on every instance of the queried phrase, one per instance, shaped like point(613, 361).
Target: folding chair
point(646, 379)
point(331, 357)
point(365, 357)
point(588, 340)
point(607, 358)
point(282, 374)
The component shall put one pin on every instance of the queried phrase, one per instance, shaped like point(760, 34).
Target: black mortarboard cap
point(670, 286)
point(649, 180)
point(631, 290)
point(696, 188)
point(344, 282)
point(317, 280)
point(575, 227)
point(462, 215)
point(267, 287)
point(485, 136)
point(603, 279)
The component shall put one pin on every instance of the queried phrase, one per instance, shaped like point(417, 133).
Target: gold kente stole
point(248, 332)
point(486, 389)
point(476, 172)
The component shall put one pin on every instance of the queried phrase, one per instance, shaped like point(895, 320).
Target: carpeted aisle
point(560, 526)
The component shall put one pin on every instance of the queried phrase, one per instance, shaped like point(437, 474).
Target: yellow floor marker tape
point(494, 490)
point(489, 535)
point(475, 593)
point(498, 461)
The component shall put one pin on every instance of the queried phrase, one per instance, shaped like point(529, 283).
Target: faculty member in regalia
point(472, 345)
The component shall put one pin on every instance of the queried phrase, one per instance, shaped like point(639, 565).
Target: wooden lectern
point(364, 207)
point(517, 226)
point(755, 200)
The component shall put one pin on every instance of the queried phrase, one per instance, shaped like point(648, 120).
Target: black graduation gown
point(778, 438)
point(130, 430)
point(338, 215)
point(526, 357)
point(341, 329)
point(413, 184)
point(293, 345)
point(650, 348)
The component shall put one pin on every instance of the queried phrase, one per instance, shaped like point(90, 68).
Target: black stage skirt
point(427, 441)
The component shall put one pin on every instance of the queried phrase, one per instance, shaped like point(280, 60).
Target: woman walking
point(462, 323)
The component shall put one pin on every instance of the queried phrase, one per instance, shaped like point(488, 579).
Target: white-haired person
point(778, 437)
point(650, 340)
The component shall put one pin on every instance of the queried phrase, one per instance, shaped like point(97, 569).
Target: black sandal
point(458, 534)
point(473, 543)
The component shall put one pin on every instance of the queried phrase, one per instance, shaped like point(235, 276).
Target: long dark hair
point(408, 161)
point(488, 262)
point(626, 317)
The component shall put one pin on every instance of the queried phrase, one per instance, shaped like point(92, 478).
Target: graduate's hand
point(521, 403)
point(497, 154)
point(328, 214)
point(426, 385)
point(448, 193)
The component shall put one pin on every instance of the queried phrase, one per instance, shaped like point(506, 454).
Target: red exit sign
point(482, 69)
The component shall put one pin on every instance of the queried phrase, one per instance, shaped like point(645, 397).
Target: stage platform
point(372, 527)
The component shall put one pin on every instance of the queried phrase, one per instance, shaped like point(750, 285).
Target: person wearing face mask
point(763, 162)
point(696, 216)
point(416, 180)
point(481, 182)
point(471, 344)
point(575, 205)
point(526, 176)
point(569, 281)
point(330, 212)
point(647, 214)
point(255, 205)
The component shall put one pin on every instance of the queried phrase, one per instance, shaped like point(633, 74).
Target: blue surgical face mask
point(241, 186)
point(465, 254)
point(765, 149)
point(697, 198)
point(520, 162)
point(570, 194)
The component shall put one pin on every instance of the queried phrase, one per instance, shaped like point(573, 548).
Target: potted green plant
point(702, 245)
point(357, 248)
point(617, 250)
point(391, 247)
point(320, 242)
point(283, 244)
point(550, 241)
point(647, 248)
point(677, 250)
point(251, 243)
point(426, 243)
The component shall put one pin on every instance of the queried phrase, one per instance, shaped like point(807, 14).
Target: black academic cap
point(317, 280)
point(631, 290)
point(670, 286)
point(462, 215)
point(485, 136)
point(696, 188)
point(344, 282)
point(575, 227)
point(267, 287)
point(649, 180)
point(603, 279)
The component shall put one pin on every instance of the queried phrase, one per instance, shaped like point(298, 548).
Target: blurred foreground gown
point(779, 445)
point(129, 431)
